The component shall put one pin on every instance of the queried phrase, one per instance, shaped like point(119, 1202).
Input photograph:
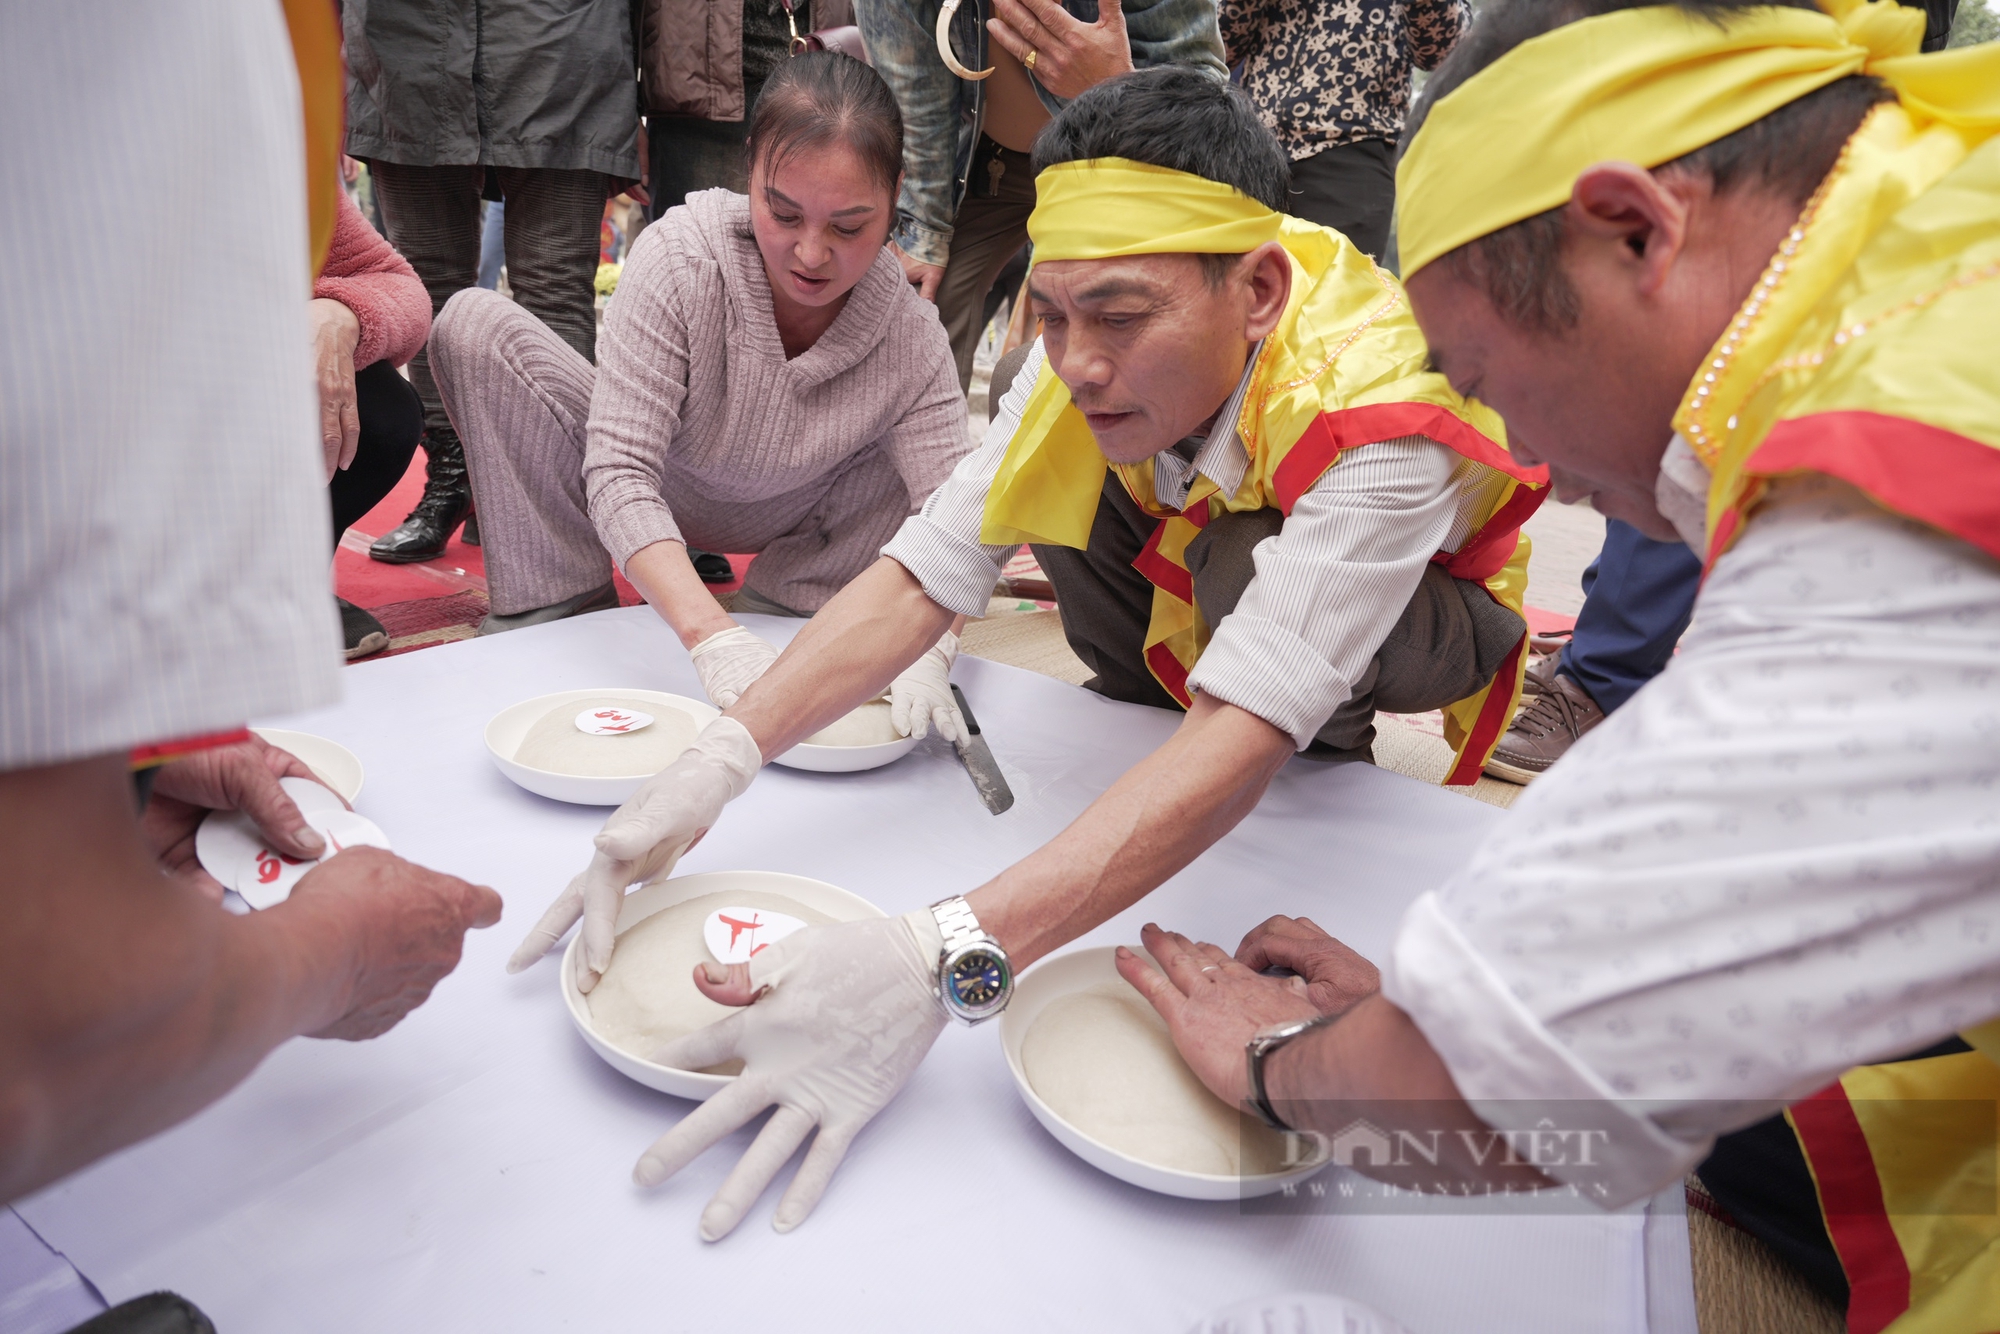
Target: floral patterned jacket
point(1326, 72)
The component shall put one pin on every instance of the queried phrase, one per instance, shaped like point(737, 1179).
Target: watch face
point(978, 978)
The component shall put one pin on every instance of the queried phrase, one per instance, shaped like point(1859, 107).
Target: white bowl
point(1080, 970)
point(845, 759)
point(509, 727)
point(332, 763)
point(642, 903)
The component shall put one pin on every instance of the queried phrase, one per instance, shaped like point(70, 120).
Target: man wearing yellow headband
point(1732, 274)
point(1256, 504)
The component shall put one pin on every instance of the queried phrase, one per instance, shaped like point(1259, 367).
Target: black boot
point(447, 500)
point(709, 567)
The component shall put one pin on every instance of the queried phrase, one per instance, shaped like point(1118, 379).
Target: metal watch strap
point(956, 920)
point(1257, 1049)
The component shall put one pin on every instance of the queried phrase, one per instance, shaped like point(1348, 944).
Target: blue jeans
point(492, 244)
point(1638, 596)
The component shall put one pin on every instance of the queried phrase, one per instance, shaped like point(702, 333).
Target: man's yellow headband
point(1111, 206)
point(1647, 86)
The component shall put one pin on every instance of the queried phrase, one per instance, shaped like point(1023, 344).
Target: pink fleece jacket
point(364, 273)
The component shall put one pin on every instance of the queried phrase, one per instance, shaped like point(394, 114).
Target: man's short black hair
point(1787, 152)
point(1175, 117)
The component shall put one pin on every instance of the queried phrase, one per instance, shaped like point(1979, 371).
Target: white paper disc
point(734, 934)
point(612, 722)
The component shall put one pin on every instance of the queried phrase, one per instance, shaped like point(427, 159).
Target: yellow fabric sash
point(323, 95)
point(1344, 368)
point(1903, 1158)
point(1869, 354)
point(1650, 85)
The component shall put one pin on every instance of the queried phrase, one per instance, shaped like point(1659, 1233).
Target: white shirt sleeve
point(1779, 860)
point(940, 543)
point(1333, 582)
point(163, 512)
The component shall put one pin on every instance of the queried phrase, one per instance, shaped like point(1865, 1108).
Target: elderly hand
point(335, 334)
point(1213, 1005)
point(1069, 56)
point(921, 695)
point(402, 927)
point(838, 1017)
point(240, 777)
point(641, 842)
point(728, 661)
point(924, 277)
point(1337, 979)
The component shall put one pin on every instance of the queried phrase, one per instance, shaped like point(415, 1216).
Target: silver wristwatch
point(1261, 1045)
point(974, 977)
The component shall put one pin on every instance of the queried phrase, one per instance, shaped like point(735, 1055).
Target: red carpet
point(435, 601)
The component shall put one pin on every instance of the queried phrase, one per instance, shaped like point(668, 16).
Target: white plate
point(845, 759)
point(332, 763)
point(642, 903)
point(1080, 970)
point(509, 727)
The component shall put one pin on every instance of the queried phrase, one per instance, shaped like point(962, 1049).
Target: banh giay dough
point(869, 725)
point(554, 744)
point(647, 996)
point(1103, 1060)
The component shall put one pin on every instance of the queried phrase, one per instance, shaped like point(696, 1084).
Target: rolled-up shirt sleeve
point(940, 544)
point(1778, 861)
point(1332, 583)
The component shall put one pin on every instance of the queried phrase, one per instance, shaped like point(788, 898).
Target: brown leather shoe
point(1555, 713)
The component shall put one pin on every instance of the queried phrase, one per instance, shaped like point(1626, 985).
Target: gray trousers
point(520, 399)
point(1448, 642)
point(551, 225)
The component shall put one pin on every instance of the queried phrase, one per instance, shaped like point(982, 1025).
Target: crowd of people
point(1304, 359)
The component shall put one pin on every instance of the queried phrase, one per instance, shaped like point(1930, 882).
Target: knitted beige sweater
point(696, 400)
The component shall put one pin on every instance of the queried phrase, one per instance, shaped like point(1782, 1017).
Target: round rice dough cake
point(869, 725)
point(555, 745)
point(1103, 1060)
point(647, 996)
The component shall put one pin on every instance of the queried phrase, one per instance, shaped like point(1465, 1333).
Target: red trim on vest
point(1492, 720)
point(1350, 428)
point(1485, 555)
point(1857, 1219)
point(1160, 571)
point(163, 752)
point(1167, 670)
point(1941, 477)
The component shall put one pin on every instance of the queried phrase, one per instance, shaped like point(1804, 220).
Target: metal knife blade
point(977, 757)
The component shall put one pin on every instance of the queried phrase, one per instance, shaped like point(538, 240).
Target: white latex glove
point(921, 696)
point(728, 661)
point(844, 1014)
point(641, 842)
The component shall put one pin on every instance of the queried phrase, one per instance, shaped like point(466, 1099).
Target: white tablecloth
point(471, 1170)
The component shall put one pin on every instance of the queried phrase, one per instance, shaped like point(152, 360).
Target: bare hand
point(243, 777)
point(1337, 979)
point(1213, 1005)
point(924, 277)
point(335, 334)
point(1070, 57)
point(404, 927)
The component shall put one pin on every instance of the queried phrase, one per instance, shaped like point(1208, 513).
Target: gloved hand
point(840, 1018)
point(728, 661)
point(641, 842)
point(921, 696)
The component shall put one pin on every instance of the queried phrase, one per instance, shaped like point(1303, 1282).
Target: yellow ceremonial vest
point(315, 32)
point(1903, 1160)
point(1872, 355)
point(1344, 368)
